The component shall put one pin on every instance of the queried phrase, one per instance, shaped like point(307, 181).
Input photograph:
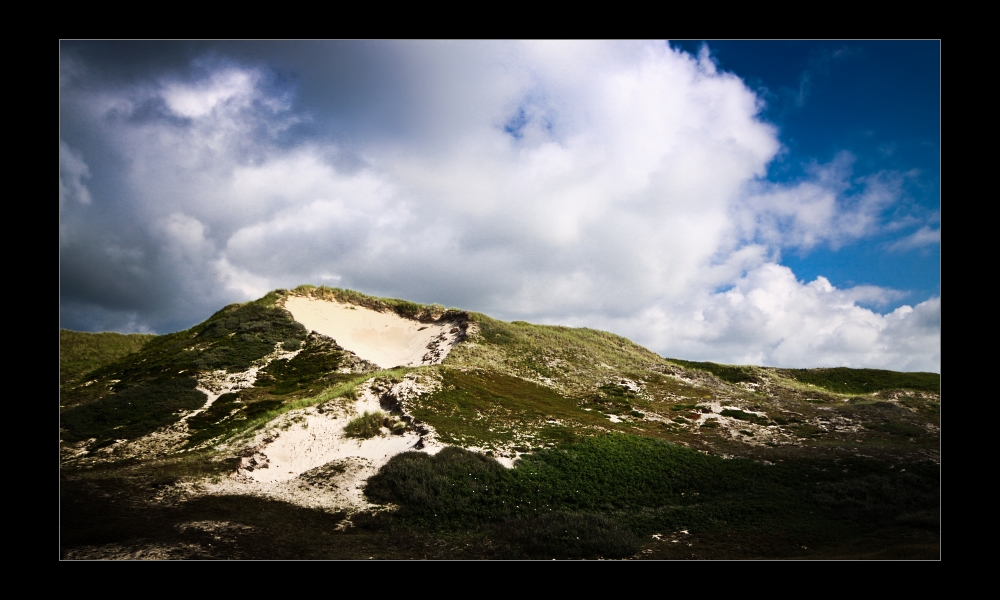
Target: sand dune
point(383, 338)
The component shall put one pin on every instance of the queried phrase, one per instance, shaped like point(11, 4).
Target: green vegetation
point(228, 414)
point(745, 416)
point(132, 412)
point(565, 535)
point(612, 490)
point(147, 389)
point(896, 428)
point(238, 335)
point(249, 410)
point(841, 379)
point(489, 409)
point(319, 362)
point(576, 360)
point(730, 373)
point(367, 425)
point(864, 381)
point(80, 353)
point(806, 430)
point(231, 339)
point(584, 486)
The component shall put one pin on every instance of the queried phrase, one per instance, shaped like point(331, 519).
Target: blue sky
point(879, 100)
point(746, 202)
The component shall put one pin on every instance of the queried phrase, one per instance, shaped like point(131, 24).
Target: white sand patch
point(305, 456)
point(384, 338)
point(317, 439)
point(737, 429)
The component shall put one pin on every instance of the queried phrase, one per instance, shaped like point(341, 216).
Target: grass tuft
point(366, 425)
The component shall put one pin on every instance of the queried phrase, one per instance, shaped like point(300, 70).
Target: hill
point(325, 423)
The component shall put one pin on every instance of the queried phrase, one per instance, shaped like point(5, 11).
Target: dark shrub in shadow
point(565, 535)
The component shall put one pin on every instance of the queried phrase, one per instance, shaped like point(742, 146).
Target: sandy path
point(383, 338)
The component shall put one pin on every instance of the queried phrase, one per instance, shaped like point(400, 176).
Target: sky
point(769, 203)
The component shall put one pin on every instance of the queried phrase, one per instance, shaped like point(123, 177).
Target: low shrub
point(730, 373)
point(597, 497)
point(366, 425)
point(880, 497)
point(134, 411)
point(744, 416)
point(864, 381)
point(566, 535)
point(895, 428)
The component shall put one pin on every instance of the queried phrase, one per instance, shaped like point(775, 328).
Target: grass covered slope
point(80, 353)
point(842, 380)
point(155, 386)
point(614, 492)
point(148, 389)
point(618, 451)
point(570, 359)
point(864, 381)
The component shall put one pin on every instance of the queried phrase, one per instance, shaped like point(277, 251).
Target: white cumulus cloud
point(615, 185)
point(769, 317)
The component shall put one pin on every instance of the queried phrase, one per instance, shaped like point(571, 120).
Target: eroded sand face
point(383, 338)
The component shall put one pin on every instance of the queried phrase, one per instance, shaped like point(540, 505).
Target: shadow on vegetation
point(600, 496)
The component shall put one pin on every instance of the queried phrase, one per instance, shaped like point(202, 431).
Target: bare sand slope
point(383, 338)
point(305, 457)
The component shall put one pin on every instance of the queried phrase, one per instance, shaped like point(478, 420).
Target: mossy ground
point(153, 386)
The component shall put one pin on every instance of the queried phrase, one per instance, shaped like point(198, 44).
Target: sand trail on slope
point(383, 338)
